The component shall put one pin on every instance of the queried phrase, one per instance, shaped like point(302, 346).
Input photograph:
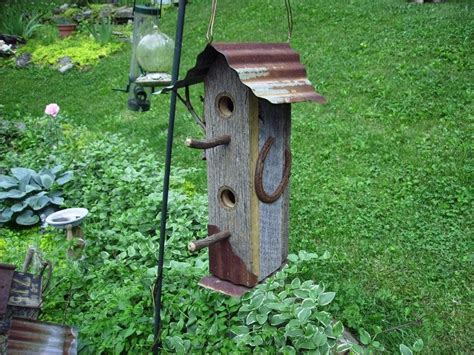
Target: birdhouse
point(249, 89)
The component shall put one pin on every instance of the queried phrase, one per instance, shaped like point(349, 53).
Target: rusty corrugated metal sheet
point(272, 71)
point(32, 337)
point(6, 278)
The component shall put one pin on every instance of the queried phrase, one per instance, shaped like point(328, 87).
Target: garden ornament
point(152, 56)
point(70, 219)
point(249, 89)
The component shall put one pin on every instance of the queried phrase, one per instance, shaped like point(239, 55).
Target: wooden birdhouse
point(249, 89)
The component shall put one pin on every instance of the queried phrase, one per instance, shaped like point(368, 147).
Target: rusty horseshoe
point(259, 189)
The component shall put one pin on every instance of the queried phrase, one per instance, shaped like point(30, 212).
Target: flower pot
point(66, 29)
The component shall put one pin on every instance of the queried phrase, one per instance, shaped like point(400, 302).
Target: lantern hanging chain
point(212, 20)
point(289, 16)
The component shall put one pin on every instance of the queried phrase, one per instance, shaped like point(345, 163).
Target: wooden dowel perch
point(207, 143)
point(212, 239)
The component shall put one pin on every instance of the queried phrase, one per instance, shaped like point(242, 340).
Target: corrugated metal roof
point(29, 336)
point(272, 71)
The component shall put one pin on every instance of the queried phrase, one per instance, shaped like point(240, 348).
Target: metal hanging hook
point(289, 16)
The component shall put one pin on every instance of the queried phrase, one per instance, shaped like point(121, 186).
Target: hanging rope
point(289, 16)
point(212, 19)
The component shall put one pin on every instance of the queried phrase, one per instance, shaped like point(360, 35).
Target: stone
point(65, 64)
point(5, 49)
point(65, 68)
point(107, 11)
point(124, 12)
point(64, 61)
point(24, 60)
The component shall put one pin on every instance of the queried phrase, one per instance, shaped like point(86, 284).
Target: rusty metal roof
point(272, 71)
point(28, 336)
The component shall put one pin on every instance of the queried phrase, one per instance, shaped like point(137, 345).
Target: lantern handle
point(212, 20)
point(289, 16)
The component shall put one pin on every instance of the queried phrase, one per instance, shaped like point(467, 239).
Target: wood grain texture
point(232, 165)
point(274, 121)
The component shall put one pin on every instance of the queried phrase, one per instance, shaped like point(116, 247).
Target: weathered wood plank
point(231, 109)
point(274, 121)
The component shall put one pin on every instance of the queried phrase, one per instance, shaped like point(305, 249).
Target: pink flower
point(52, 110)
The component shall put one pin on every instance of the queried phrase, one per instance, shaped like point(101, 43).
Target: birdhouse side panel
point(274, 126)
point(231, 109)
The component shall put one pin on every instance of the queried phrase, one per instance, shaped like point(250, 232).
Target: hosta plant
point(289, 316)
point(25, 195)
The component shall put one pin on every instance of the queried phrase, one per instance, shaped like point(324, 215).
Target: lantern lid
point(272, 71)
point(146, 10)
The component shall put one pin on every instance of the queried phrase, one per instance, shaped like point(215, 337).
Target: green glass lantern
point(152, 57)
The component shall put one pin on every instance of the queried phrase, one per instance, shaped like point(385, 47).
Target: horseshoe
point(259, 189)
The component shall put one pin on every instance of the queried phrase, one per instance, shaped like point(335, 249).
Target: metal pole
point(166, 178)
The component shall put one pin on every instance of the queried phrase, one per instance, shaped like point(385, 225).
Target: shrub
point(19, 23)
point(26, 195)
point(101, 31)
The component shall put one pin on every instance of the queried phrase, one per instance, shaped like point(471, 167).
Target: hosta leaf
point(17, 207)
point(12, 194)
point(27, 218)
point(418, 345)
point(57, 200)
point(46, 181)
point(293, 332)
point(302, 293)
point(29, 188)
point(319, 339)
point(326, 298)
point(304, 344)
point(35, 178)
point(293, 258)
point(7, 181)
point(337, 329)
point(262, 318)
point(308, 303)
point(56, 169)
point(22, 173)
point(64, 178)
point(405, 350)
point(295, 283)
point(323, 317)
point(365, 337)
point(40, 203)
point(251, 318)
point(240, 330)
point(257, 301)
point(287, 350)
point(303, 314)
point(342, 348)
point(276, 306)
point(32, 200)
point(278, 319)
point(6, 215)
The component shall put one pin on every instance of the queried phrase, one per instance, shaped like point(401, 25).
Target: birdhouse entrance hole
point(225, 105)
point(227, 197)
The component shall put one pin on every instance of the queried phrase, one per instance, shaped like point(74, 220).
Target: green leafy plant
point(16, 22)
point(26, 194)
point(289, 316)
point(101, 31)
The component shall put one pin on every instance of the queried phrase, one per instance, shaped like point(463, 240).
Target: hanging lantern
point(152, 56)
point(155, 56)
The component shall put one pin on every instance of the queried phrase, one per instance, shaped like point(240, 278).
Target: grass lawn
point(382, 174)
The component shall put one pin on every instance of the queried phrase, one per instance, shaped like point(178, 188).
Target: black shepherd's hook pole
point(166, 179)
